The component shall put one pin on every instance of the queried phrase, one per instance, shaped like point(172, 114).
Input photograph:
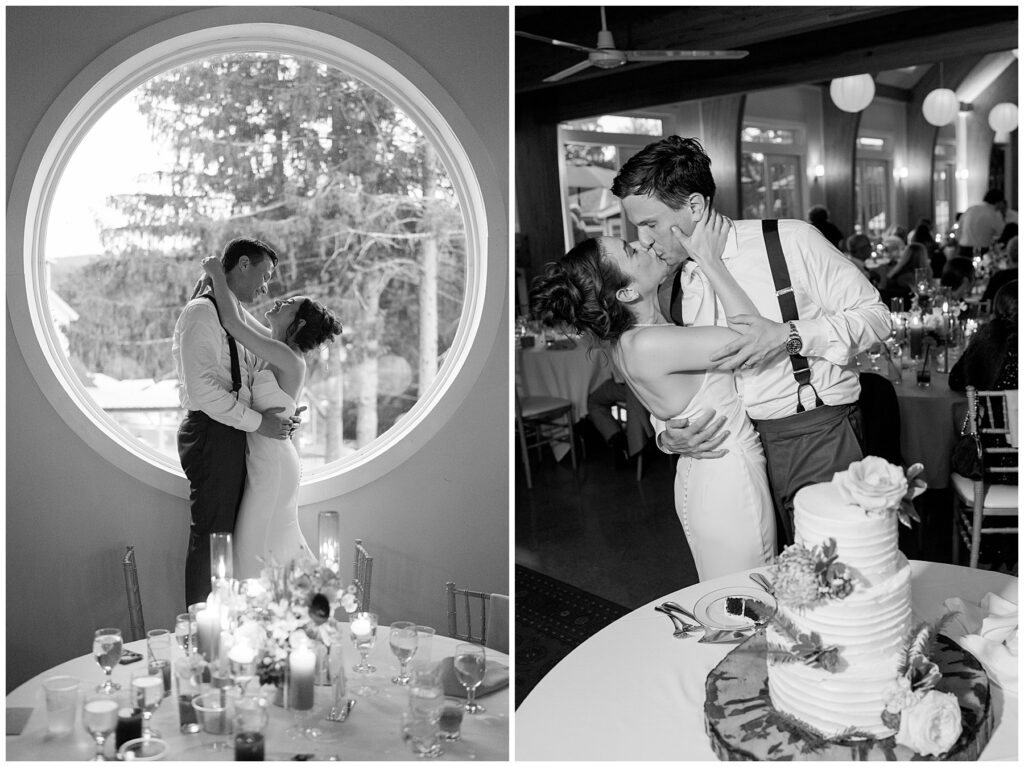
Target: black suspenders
point(236, 373)
point(787, 304)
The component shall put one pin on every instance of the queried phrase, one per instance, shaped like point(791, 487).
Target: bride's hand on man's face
point(707, 242)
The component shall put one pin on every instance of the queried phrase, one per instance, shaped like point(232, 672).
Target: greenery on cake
point(925, 719)
point(805, 647)
point(880, 487)
point(805, 577)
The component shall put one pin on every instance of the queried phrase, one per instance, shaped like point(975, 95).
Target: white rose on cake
point(874, 484)
point(932, 725)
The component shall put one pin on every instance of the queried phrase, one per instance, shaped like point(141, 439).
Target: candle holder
point(299, 692)
point(222, 559)
point(328, 533)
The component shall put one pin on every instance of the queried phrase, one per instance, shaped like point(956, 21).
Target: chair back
point(991, 413)
point(880, 418)
point(472, 627)
point(363, 575)
point(131, 585)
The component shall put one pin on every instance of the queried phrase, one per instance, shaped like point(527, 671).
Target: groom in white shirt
point(817, 313)
point(214, 389)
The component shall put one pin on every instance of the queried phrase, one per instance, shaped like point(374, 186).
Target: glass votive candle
point(143, 749)
point(250, 723)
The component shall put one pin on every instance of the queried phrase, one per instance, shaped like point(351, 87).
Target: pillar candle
point(301, 671)
point(916, 334)
point(361, 628)
point(208, 632)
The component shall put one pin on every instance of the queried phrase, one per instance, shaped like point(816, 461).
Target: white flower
point(874, 484)
point(932, 725)
point(898, 695)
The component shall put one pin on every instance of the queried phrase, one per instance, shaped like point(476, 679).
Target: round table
point(929, 425)
point(372, 731)
point(567, 373)
point(634, 692)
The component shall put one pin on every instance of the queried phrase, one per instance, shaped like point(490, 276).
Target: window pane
point(328, 171)
point(752, 185)
point(759, 135)
point(589, 172)
point(784, 195)
point(872, 193)
point(641, 126)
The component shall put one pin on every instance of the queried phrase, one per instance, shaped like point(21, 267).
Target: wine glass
point(363, 631)
point(99, 717)
point(403, 644)
point(470, 664)
point(107, 645)
point(148, 692)
point(874, 352)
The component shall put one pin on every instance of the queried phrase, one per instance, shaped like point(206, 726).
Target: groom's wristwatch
point(794, 343)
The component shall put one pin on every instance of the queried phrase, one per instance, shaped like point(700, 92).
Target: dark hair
point(246, 246)
point(957, 270)
point(321, 326)
point(923, 234)
point(1009, 232)
point(580, 291)
point(985, 355)
point(671, 170)
point(818, 214)
point(915, 256)
point(994, 196)
point(1004, 305)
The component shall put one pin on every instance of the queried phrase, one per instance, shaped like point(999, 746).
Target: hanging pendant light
point(940, 107)
point(1003, 117)
point(852, 94)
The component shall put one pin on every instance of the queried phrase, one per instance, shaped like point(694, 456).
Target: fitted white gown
point(268, 518)
point(724, 504)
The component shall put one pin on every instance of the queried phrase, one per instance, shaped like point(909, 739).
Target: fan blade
point(566, 72)
point(692, 55)
point(561, 43)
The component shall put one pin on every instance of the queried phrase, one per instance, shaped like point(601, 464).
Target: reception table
point(567, 373)
point(930, 420)
point(634, 692)
point(371, 732)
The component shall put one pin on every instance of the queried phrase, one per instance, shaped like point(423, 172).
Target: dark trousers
point(804, 449)
point(213, 458)
point(638, 420)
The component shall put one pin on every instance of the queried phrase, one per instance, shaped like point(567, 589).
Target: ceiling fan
point(607, 56)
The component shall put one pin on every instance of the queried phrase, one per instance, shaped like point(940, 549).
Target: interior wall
point(443, 514)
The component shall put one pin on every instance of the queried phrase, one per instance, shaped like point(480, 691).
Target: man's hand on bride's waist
point(694, 438)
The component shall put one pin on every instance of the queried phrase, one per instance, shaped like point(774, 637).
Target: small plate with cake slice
point(735, 607)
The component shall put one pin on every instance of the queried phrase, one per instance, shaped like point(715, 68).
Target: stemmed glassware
point(107, 645)
point(874, 352)
point(184, 630)
point(470, 664)
point(148, 692)
point(363, 631)
point(99, 717)
point(403, 641)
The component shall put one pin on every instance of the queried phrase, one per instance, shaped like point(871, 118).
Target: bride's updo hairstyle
point(321, 326)
point(580, 291)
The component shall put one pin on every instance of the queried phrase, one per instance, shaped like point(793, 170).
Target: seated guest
point(1009, 232)
point(899, 231)
point(893, 248)
point(625, 445)
point(1003, 276)
point(818, 218)
point(958, 276)
point(989, 363)
point(923, 235)
point(899, 280)
point(858, 251)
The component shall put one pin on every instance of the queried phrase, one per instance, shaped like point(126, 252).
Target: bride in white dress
point(268, 524)
point(610, 289)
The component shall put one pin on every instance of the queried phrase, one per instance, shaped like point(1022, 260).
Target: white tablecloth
point(372, 731)
point(634, 692)
point(568, 373)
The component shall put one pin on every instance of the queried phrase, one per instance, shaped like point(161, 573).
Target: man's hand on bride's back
point(277, 426)
point(695, 438)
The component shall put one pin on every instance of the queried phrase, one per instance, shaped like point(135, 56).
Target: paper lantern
point(940, 107)
point(1003, 117)
point(852, 94)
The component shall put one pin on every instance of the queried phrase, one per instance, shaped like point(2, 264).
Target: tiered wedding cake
point(867, 621)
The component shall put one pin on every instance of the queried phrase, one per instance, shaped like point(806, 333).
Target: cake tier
point(866, 543)
point(869, 627)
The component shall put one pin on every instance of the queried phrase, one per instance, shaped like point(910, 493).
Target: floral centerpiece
point(287, 607)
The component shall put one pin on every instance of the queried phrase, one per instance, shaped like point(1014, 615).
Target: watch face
point(794, 345)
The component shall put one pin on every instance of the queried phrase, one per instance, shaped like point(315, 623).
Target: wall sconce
point(961, 174)
point(819, 171)
point(901, 173)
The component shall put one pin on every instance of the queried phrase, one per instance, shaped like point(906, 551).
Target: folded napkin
point(989, 632)
point(17, 718)
point(495, 678)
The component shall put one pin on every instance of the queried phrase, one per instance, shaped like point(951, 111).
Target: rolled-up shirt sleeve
point(202, 373)
point(853, 317)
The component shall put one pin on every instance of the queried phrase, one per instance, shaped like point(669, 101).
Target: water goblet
point(148, 692)
point(470, 664)
point(158, 644)
point(363, 631)
point(99, 717)
point(403, 641)
point(874, 352)
point(184, 633)
point(107, 645)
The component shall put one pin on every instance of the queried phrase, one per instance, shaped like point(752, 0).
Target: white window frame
point(300, 32)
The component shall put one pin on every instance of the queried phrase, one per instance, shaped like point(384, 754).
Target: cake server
point(683, 611)
point(761, 581)
point(723, 637)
